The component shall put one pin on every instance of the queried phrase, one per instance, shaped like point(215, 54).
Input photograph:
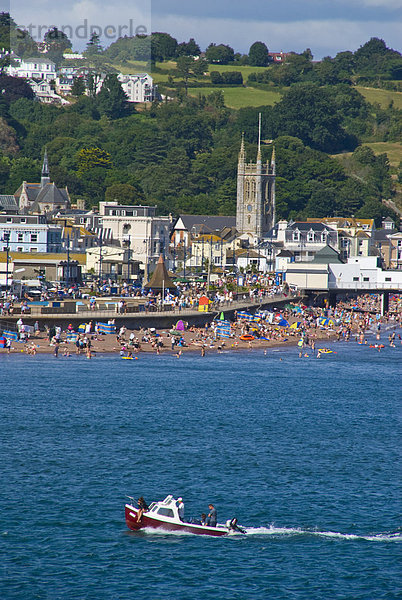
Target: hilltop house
point(33, 68)
point(138, 87)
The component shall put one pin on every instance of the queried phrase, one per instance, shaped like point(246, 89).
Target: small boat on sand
point(164, 515)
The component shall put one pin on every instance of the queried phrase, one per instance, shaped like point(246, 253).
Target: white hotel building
point(137, 228)
point(139, 87)
point(33, 68)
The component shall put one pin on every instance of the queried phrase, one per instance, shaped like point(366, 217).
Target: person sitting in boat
point(212, 516)
point(142, 507)
point(203, 519)
point(180, 507)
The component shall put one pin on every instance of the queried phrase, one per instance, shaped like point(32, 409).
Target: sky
point(325, 26)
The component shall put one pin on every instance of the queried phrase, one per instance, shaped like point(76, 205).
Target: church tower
point(45, 171)
point(255, 212)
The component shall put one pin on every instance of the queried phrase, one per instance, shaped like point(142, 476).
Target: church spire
point(45, 170)
point(259, 139)
point(273, 160)
point(242, 154)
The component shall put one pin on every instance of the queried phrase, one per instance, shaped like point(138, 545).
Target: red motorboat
point(164, 515)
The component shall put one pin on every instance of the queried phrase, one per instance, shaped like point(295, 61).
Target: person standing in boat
point(180, 507)
point(212, 516)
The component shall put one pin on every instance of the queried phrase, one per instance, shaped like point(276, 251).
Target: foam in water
point(292, 531)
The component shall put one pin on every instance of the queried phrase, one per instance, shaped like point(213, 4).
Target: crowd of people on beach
point(355, 319)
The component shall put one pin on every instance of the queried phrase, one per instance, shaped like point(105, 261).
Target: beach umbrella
point(180, 325)
point(222, 317)
point(283, 323)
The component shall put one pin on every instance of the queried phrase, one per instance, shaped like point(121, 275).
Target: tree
point(78, 88)
point(90, 158)
point(14, 88)
point(373, 209)
point(93, 46)
point(8, 138)
point(221, 54)
point(57, 42)
point(258, 55)
point(227, 77)
point(124, 193)
point(112, 100)
point(163, 47)
point(22, 169)
point(187, 67)
point(62, 177)
point(4, 170)
point(190, 48)
point(309, 112)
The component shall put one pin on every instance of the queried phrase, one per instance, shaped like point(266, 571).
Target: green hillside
point(393, 150)
point(382, 97)
point(241, 97)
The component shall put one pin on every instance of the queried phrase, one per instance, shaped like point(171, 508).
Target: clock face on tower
point(249, 207)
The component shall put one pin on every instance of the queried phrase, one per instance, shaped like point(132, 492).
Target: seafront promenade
point(137, 315)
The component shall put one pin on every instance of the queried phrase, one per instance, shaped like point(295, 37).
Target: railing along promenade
point(83, 312)
point(361, 286)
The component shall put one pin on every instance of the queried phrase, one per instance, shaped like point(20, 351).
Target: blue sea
point(304, 452)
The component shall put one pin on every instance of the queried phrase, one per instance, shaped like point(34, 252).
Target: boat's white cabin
point(165, 508)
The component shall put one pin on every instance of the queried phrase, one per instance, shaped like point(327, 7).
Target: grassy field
point(245, 70)
point(382, 97)
point(392, 149)
point(161, 76)
point(240, 97)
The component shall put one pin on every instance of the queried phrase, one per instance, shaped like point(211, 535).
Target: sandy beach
point(298, 325)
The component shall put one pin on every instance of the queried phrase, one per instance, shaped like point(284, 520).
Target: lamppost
point(68, 261)
point(127, 244)
point(100, 260)
point(146, 260)
point(6, 239)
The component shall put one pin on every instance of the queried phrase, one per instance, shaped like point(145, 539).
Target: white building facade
point(363, 273)
point(45, 93)
point(138, 229)
point(29, 234)
point(33, 68)
point(139, 87)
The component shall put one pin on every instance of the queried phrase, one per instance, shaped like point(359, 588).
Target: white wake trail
point(295, 531)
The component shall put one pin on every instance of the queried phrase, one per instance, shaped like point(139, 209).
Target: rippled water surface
point(304, 452)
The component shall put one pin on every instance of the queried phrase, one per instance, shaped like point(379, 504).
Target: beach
point(297, 325)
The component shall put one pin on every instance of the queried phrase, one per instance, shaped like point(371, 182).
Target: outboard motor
point(232, 525)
